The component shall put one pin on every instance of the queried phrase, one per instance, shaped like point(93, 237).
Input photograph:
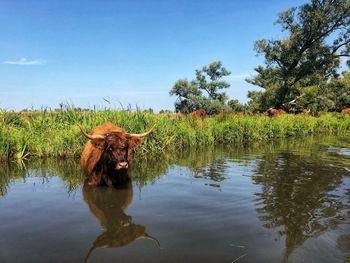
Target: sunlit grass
point(45, 133)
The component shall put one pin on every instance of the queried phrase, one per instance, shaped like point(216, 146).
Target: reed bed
point(44, 133)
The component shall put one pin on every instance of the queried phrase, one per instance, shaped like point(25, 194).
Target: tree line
point(302, 71)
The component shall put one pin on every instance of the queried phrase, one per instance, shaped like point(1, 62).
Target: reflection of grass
point(208, 163)
point(69, 172)
point(45, 133)
point(8, 173)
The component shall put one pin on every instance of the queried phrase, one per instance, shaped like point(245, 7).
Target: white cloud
point(25, 62)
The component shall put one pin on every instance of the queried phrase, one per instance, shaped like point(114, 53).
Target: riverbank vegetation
point(44, 133)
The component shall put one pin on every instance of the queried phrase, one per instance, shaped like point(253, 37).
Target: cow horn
point(147, 236)
point(140, 135)
point(90, 137)
point(89, 253)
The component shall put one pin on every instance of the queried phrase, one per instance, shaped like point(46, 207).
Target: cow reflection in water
point(108, 205)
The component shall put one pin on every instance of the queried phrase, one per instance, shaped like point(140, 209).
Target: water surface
point(282, 202)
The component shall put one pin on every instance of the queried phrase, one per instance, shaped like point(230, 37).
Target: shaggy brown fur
point(274, 112)
point(199, 114)
point(100, 157)
point(346, 111)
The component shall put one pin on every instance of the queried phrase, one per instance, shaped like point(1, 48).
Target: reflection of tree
point(297, 196)
point(209, 164)
point(343, 243)
point(108, 204)
point(215, 171)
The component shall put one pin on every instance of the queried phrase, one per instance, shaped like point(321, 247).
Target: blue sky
point(128, 52)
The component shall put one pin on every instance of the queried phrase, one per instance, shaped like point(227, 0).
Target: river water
point(281, 202)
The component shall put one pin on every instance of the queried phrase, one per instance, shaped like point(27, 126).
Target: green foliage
point(204, 91)
point(44, 133)
point(333, 95)
point(164, 111)
point(208, 79)
point(149, 110)
point(236, 106)
point(318, 35)
point(338, 91)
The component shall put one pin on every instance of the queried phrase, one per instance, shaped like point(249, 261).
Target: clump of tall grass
point(48, 133)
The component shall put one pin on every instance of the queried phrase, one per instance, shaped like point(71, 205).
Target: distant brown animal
point(199, 114)
point(107, 155)
point(274, 112)
point(108, 205)
point(345, 111)
point(311, 113)
point(315, 113)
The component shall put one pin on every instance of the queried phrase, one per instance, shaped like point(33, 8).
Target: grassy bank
point(43, 134)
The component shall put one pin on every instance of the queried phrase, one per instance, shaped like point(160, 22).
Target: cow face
point(117, 150)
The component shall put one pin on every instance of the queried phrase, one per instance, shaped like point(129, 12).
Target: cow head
point(116, 149)
point(110, 151)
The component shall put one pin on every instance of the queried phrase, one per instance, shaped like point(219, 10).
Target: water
point(282, 202)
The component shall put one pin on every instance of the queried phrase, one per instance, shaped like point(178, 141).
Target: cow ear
point(98, 143)
point(134, 142)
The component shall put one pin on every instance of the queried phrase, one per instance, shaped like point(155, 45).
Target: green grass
point(43, 133)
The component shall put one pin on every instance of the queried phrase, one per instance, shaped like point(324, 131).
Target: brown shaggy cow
point(199, 114)
point(274, 112)
point(107, 155)
point(346, 111)
point(108, 205)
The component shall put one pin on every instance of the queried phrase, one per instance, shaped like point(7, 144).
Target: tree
point(149, 110)
point(340, 91)
point(333, 95)
point(187, 93)
point(236, 106)
point(318, 35)
point(204, 91)
point(165, 111)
